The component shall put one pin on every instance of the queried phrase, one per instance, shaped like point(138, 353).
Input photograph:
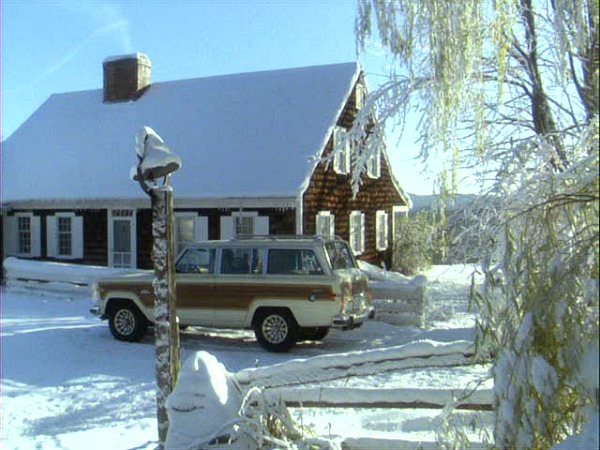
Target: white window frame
point(374, 164)
point(11, 235)
point(53, 236)
point(356, 231)
point(341, 151)
point(359, 99)
point(381, 231)
point(28, 239)
point(325, 224)
point(200, 224)
point(260, 225)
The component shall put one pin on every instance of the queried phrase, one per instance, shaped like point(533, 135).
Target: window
point(374, 165)
point(381, 230)
point(24, 235)
point(325, 224)
point(197, 260)
point(244, 223)
point(357, 232)
point(21, 235)
point(359, 98)
point(242, 261)
point(189, 228)
point(293, 262)
point(339, 255)
point(64, 236)
point(341, 151)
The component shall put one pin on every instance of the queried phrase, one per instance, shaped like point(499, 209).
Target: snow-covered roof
point(246, 135)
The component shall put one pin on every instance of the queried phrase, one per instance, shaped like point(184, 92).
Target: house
point(252, 145)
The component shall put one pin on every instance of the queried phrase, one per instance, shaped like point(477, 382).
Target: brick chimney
point(126, 77)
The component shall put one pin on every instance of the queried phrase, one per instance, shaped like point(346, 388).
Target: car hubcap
point(124, 322)
point(275, 329)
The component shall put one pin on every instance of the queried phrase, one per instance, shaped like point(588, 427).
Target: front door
point(122, 239)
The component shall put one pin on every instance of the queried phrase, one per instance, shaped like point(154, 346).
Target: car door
point(240, 281)
point(195, 274)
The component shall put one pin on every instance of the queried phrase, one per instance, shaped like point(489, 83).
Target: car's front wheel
point(126, 322)
point(276, 330)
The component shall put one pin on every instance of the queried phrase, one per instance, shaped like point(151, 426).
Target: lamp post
point(156, 161)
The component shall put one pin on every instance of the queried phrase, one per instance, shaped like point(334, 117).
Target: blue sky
point(50, 47)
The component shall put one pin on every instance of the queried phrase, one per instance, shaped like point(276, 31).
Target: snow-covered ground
point(67, 384)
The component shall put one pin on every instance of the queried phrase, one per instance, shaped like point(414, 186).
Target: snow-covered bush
point(549, 312)
point(209, 410)
point(414, 243)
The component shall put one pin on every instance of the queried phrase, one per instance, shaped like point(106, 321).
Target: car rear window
point(293, 262)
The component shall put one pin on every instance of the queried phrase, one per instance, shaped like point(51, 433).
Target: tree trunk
point(165, 316)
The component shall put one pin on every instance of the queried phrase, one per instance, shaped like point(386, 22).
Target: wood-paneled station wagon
point(286, 289)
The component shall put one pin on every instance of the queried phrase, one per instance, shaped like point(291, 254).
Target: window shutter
point(381, 231)
point(341, 154)
point(227, 227)
point(201, 228)
point(9, 236)
point(77, 244)
point(331, 226)
point(36, 236)
point(357, 232)
point(51, 237)
point(362, 233)
point(261, 225)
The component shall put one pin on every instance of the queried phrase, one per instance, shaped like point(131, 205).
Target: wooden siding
point(330, 191)
point(95, 236)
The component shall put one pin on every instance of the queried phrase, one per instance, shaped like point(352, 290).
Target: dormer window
point(341, 151)
point(359, 96)
point(374, 164)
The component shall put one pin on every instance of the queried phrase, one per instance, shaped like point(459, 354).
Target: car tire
point(126, 322)
point(276, 330)
point(314, 333)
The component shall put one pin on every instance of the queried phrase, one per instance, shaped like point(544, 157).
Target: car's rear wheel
point(314, 333)
point(126, 322)
point(276, 330)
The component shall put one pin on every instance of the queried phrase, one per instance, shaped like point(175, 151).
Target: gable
point(253, 134)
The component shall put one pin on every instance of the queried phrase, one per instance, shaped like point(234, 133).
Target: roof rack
point(265, 237)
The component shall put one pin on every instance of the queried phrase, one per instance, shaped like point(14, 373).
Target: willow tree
point(508, 89)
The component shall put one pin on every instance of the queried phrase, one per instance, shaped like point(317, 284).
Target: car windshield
point(339, 255)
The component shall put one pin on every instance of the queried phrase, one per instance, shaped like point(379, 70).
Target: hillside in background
point(424, 202)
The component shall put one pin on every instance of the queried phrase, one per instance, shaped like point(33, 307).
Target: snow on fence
point(207, 393)
point(395, 444)
point(399, 300)
point(419, 354)
point(347, 397)
point(53, 276)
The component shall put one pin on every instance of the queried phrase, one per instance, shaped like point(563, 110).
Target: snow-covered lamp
point(156, 160)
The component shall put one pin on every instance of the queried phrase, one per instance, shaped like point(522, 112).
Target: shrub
point(414, 243)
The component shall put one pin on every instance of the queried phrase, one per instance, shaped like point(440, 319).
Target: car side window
point(197, 260)
point(293, 262)
point(242, 261)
